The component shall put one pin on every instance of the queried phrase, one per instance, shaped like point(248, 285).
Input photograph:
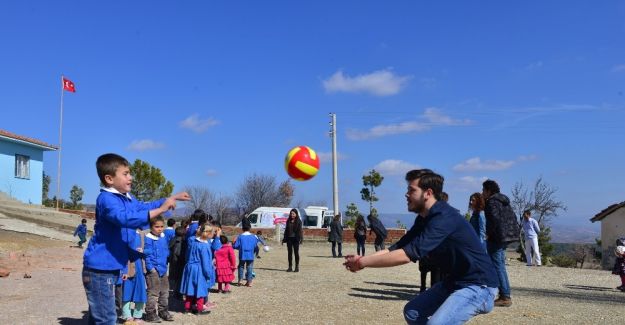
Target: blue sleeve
point(116, 213)
point(76, 231)
point(148, 250)
point(237, 243)
point(432, 236)
point(216, 244)
point(262, 241)
point(482, 225)
point(149, 205)
point(207, 263)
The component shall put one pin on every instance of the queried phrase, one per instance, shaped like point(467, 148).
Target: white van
point(268, 217)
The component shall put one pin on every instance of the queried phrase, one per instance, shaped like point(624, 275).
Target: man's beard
point(419, 206)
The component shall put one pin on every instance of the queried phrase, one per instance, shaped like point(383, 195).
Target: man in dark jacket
point(501, 229)
point(443, 236)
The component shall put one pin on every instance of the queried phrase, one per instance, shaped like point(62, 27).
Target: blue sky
point(213, 91)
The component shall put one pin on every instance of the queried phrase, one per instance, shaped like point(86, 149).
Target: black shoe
point(152, 319)
point(166, 316)
point(340, 255)
point(257, 256)
point(296, 269)
point(289, 269)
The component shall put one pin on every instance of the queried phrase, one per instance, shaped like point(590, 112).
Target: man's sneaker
point(503, 302)
point(622, 288)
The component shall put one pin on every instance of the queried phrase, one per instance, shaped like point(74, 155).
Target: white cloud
point(197, 125)
point(468, 183)
point(145, 144)
point(430, 118)
point(326, 157)
point(211, 172)
point(527, 158)
point(534, 65)
point(394, 167)
point(618, 68)
point(476, 164)
point(378, 83)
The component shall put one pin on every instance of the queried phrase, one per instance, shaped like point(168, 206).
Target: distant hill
point(562, 231)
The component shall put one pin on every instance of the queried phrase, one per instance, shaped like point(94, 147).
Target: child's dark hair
point(181, 231)
point(171, 222)
point(156, 219)
point(215, 223)
point(259, 232)
point(223, 239)
point(107, 165)
point(83, 221)
point(246, 227)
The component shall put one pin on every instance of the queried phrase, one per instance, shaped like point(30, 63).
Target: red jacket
point(224, 257)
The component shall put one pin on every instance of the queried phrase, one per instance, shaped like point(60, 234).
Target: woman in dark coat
point(293, 236)
point(360, 234)
point(380, 232)
point(336, 235)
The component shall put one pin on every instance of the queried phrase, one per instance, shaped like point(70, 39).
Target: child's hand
point(182, 196)
point(139, 249)
point(218, 232)
point(124, 277)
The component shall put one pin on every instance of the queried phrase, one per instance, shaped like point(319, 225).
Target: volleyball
point(301, 163)
point(266, 248)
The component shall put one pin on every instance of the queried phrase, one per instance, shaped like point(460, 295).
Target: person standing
point(531, 231)
point(501, 230)
point(444, 236)
point(293, 237)
point(335, 236)
point(360, 234)
point(378, 228)
point(478, 220)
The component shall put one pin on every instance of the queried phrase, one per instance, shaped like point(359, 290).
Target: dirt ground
point(322, 293)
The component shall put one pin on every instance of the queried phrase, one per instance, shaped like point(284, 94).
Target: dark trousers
point(292, 245)
point(379, 243)
point(334, 248)
point(360, 245)
point(158, 292)
point(256, 251)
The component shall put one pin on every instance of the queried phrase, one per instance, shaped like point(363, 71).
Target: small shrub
point(563, 261)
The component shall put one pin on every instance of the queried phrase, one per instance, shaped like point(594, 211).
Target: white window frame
point(22, 166)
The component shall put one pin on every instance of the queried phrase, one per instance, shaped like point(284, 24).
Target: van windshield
point(253, 218)
point(310, 221)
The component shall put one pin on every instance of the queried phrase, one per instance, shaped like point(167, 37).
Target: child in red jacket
point(226, 263)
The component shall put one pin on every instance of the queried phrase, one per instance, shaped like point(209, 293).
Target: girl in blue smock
point(134, 288)
point(196, 275)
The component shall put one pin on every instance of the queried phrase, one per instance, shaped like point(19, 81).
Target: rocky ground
point(322, 293)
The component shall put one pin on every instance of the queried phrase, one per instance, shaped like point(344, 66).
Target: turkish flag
point(68, 85)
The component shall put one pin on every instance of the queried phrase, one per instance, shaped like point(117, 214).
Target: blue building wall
point(26, 190)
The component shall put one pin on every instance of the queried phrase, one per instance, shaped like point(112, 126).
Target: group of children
point(123, 262)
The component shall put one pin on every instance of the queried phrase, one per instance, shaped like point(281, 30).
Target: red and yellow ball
point(301, 163)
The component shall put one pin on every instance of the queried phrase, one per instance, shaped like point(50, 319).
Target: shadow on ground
point(74, 321)
point(604, 297)
point(386, 294)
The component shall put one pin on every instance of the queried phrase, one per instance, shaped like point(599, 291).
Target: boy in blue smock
point(81, 231)
point(245, 243)
point(156, 252)
point(107, 252)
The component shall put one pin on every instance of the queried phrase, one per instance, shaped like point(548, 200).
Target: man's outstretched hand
point(352, 263)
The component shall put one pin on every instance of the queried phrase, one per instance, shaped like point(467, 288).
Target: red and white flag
point(68, 85)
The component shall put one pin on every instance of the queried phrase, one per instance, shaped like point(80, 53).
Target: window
point(253, 218)
point(310, 221)
point(22, 166)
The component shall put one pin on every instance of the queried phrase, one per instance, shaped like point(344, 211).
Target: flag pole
point(58, 172)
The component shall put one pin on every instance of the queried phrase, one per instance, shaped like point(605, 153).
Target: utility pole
point(335, 181)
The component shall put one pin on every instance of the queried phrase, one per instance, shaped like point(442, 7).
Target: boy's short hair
point(107, 164)
point(156, 219)
point(83, 221)
point(171, 222)
point(246, 227)
point(223, 239)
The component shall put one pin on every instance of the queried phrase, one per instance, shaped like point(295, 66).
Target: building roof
point(26, 140)
point(607, 211)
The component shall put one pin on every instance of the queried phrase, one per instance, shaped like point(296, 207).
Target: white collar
point(201, 240)
point(114, 191)
point(151, 236)
point(246, 233)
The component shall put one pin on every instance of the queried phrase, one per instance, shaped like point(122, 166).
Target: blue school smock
point(107, 250)
point(245, 243)
point(196, 274)
point(215, 245)
point(156, 252)
point(134, 288)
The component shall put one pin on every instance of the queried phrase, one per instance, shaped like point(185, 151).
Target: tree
point(370, 181)
point(201, 198)
point(220, 207)
point(148, 182)
point(351, 214)
point(262, 190)
point(580, 252)
point(75, 195)
point(45, 187)
point(543, 203)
